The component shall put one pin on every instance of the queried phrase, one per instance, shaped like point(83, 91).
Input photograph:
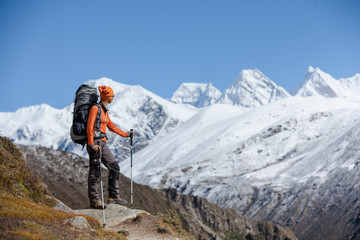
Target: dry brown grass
point(170, 222)
point(26, 206)
point(15, 177)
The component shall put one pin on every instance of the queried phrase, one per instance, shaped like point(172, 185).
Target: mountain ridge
point(252, 89)
point(318, 83)
point(196, 94)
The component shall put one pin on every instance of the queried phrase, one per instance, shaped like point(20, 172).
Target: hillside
point(293, 162)
point(27, 209)
point(66, 174)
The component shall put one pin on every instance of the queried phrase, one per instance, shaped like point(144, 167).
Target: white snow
point(273, 145)
point(46, 126)
point(197, 94)
point(252, 89)
point(319, 83)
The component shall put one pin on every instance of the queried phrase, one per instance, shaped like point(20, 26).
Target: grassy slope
point(26, 208)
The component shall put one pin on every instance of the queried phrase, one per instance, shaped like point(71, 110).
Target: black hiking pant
point(108, 159)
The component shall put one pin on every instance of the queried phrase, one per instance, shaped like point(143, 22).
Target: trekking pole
point(131, 165)
point(102, 193)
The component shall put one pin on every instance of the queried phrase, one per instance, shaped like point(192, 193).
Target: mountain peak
point(317, 70)
point(104, 81)
point(312, 69)
point(196, 94)
point(254, 71)
point(316, 83)
point(252, 89)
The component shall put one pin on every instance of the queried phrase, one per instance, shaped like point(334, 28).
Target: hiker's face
point(110, 100)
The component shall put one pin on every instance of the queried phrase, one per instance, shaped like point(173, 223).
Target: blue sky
point(48, 48)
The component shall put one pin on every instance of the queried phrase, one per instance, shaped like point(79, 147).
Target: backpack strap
point(97, 132)
point(98, 119)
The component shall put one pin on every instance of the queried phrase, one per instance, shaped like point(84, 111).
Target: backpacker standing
point(97, 149)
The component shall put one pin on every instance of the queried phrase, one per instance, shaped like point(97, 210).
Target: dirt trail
point(139, 224)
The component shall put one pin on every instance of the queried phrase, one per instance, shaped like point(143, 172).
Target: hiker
point(97, 149)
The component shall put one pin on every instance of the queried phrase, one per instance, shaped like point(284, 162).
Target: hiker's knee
point(114, 166)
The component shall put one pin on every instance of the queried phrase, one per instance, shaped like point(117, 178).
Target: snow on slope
point(196, 94)
point(252, 89)
point(350, 87)
point(36, 124)
point(319, 83)
point(228, 154)
point(133, 107)
point(129, 98)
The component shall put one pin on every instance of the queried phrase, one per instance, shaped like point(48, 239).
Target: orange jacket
point(105, 122)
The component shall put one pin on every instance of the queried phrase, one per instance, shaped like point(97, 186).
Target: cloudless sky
point(48, 48)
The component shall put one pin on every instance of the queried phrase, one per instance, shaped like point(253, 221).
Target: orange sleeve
point(116, 130)
point(90, 124)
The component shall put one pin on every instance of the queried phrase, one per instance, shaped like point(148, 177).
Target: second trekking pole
point(101, 187)
point(131, 165)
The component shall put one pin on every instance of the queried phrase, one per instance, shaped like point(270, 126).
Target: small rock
point(62, 207)
point(123, 232)
point(163, 230)
point(78, 222)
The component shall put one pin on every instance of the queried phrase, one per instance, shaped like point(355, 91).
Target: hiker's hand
point(96, 148)
point(131, 133)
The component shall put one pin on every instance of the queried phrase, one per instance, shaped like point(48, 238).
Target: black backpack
point(85, 97)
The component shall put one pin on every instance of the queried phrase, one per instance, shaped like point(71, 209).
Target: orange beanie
point(106, 93)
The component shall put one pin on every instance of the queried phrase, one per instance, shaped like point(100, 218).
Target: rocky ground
point(134, 224)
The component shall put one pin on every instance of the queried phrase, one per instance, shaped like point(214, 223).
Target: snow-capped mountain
point(252, 89)
point(243, 142)
point(319, 83)
point(274, 162)
point(37, 125)
point(349, 87)
point(132, 108)
point(288, 159)
point(196, 94)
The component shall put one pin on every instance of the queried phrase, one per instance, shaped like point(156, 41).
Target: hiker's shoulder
point(95, 106)
point(94, 109)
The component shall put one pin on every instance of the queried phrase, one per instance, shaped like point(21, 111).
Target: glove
point(131, 133)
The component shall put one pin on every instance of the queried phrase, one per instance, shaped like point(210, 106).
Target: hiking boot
point(97, 205)
point(117, 200)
